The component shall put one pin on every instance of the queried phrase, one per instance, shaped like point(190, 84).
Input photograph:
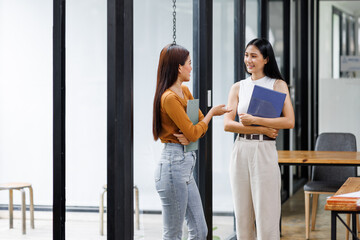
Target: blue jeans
point(179, 194)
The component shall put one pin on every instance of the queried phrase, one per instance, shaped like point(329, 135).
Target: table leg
point(333, 225)
point(11, 209)
point(347, 223)
point(102, 213)
point(354, 226)
point(137, 208)
point(31, 208)
point(23, 211)
point(307, 215)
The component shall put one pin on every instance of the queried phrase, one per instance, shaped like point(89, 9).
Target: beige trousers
point(255, 182)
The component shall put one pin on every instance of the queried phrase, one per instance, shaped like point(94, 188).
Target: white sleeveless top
point(246, 88)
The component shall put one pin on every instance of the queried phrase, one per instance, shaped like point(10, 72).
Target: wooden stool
point(102, 209)
point(20, 186)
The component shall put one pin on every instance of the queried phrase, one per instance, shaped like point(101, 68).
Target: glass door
point(86, 119)
point(26, 118)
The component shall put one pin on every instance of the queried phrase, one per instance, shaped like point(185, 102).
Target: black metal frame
point(302, 85)
point(286, 75)
point(202, 87)
point(120, 120)
point(239, 39)
point(120, 214)
point(353, 231)
point(59, 120)
point(287, 28)
point(315, 73)
point(263, 24)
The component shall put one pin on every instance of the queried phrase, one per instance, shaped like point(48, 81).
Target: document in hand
point(192, 111)
point(266, 103)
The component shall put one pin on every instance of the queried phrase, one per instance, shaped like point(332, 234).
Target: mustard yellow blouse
point(174, 118)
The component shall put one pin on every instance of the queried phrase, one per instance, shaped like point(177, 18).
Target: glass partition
point(223, 79)
point(86, 117)
point(343, 35)
point(26, 114)
point(336, 45)
point(337, 90)
point(252, 19)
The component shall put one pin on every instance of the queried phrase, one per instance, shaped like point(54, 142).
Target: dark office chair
point(327, 179)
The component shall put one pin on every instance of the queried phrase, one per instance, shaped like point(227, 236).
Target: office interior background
point(325, 97)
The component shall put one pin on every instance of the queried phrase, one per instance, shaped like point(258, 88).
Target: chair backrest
point(334, 142)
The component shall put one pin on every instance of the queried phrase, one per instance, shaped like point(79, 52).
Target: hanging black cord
point(174, 21)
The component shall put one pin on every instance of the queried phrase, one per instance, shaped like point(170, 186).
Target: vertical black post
point(120, 212)
point(263, 27)
point(333, 225)
point(315, 53)
point(353, 222)
point(302, 87)
point(59, 120)
point(239, 39)
point(286, 30)
point(286, 75)
point(202, 42)
point(312, 73)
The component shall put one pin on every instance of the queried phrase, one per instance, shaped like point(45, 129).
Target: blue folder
point(266, 102)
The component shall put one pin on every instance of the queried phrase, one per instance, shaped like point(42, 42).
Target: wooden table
point(352, 184)
point(337, 158)
point(324, 158)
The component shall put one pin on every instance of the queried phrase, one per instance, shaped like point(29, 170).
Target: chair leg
point(347, 223)
point(307, 215)
point(137, 208)
point(314, 209)
point(358, 224)
point(11, 209)
point(102, 213)
point(23, 210)
point(31, 207)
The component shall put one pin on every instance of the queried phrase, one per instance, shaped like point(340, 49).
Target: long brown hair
point(171, 56)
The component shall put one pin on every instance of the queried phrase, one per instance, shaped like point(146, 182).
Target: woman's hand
point(247, 119)
point(219, 110)
point(271, 132)
point(182, 139)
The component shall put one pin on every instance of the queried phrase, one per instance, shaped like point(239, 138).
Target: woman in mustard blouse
point(174, 173)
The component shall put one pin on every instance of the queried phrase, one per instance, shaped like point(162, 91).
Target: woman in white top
point(254, 171)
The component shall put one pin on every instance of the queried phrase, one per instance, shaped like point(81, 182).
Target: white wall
point(86, 101)
point(338, 98)
point(223, 79)
point(26, 96)
point(339, 106)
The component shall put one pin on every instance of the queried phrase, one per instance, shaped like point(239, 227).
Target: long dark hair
point(271, 68)
point(171, 56)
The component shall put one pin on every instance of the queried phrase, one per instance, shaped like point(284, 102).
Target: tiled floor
point(293, 223)
point(85, 226)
